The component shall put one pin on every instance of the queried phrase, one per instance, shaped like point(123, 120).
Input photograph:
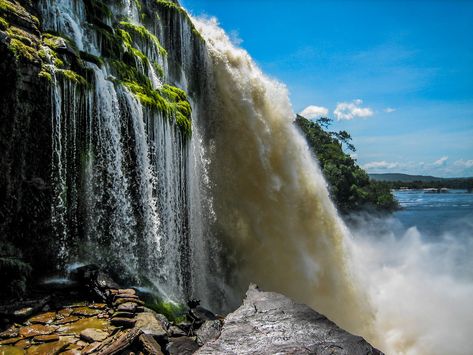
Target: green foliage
point(11, 10)
point(169, 5)
point(21, 50)
point(72, 76)
point(127, 43)
point(14, 272)
point(91, 58)
point(174, 312)
point(3, 23)
point(169, 100)
point(449, 183)
point(22, 44)
point(350, 187)
point(144, 34)
point(159, 69)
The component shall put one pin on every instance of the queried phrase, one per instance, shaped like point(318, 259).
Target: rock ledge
point(270, 323)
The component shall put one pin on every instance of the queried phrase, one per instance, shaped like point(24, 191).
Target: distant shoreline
point(419, 182)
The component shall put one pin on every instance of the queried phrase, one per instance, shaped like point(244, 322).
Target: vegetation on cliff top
point(350, 186)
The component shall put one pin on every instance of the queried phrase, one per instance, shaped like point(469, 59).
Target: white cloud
point(389, 110)
point(381, 165)
point(350, 110)
point(441, 161)
point(312, 111)
point(464, 163)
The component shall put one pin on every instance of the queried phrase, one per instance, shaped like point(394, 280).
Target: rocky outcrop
point(266, 323)
point(270, 323)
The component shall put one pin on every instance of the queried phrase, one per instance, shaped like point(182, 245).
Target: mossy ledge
point(32, 46)
point(169, 100)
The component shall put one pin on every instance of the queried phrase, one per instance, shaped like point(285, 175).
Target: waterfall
point(273, 210)
point(175, 165)
point(128, 184)
point(240, 201)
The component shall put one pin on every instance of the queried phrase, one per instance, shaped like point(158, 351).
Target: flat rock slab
point(11, 350)
point(123, 315)
point(10, 341)
point(149, 324)
point(120, 301)
point(82, 324)
point(71, 352)
point(65, 312)
point(98, 306)
point(92, 335)
point(123, 322)
point(47, 348)
point(67, 320)
point(36, 329)
point(209, 331)
point(86, 312)
point(9, 333)
point(182, 346)
point(46, 338)
point(127, 307)
point(44, 318)
point(150, 345)
point(270, 323)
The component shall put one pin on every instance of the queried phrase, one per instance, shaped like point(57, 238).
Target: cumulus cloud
point(441, 161)
point(381, 165)
point(350, 110)
point(464, 163)
point(312, 111)
point(389, 110)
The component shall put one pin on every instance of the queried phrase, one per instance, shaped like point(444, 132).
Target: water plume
point(274, 214)
point(420, 286)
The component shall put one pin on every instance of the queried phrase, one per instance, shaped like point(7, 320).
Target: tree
point(350, 186)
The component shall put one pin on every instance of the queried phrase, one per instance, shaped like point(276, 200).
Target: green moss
point(138, 5)
point(52, 41)
point(12, 10)
point(48, 55)
point(125, 72)
point(72, 76)
point(159, 69)
point(3, 23)
point(91, 58)
point(174, 312)
point(44, 73)
point(169, 100)
point(127, 42)
point(7, 6)
point(144, 34)
point(22, 51)
point(169, 5)
point(22, 36)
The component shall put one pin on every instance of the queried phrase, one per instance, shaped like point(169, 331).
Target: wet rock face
point(270, 323)
point(25, 142)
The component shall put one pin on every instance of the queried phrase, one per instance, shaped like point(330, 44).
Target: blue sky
point(397, 75)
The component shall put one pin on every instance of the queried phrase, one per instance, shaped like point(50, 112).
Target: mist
point(419, 285)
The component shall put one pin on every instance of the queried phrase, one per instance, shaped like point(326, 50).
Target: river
point(434, 214)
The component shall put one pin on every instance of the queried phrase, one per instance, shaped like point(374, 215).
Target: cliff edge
point(270, 323)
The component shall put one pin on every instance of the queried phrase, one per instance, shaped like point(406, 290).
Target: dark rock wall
point(25, 146)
